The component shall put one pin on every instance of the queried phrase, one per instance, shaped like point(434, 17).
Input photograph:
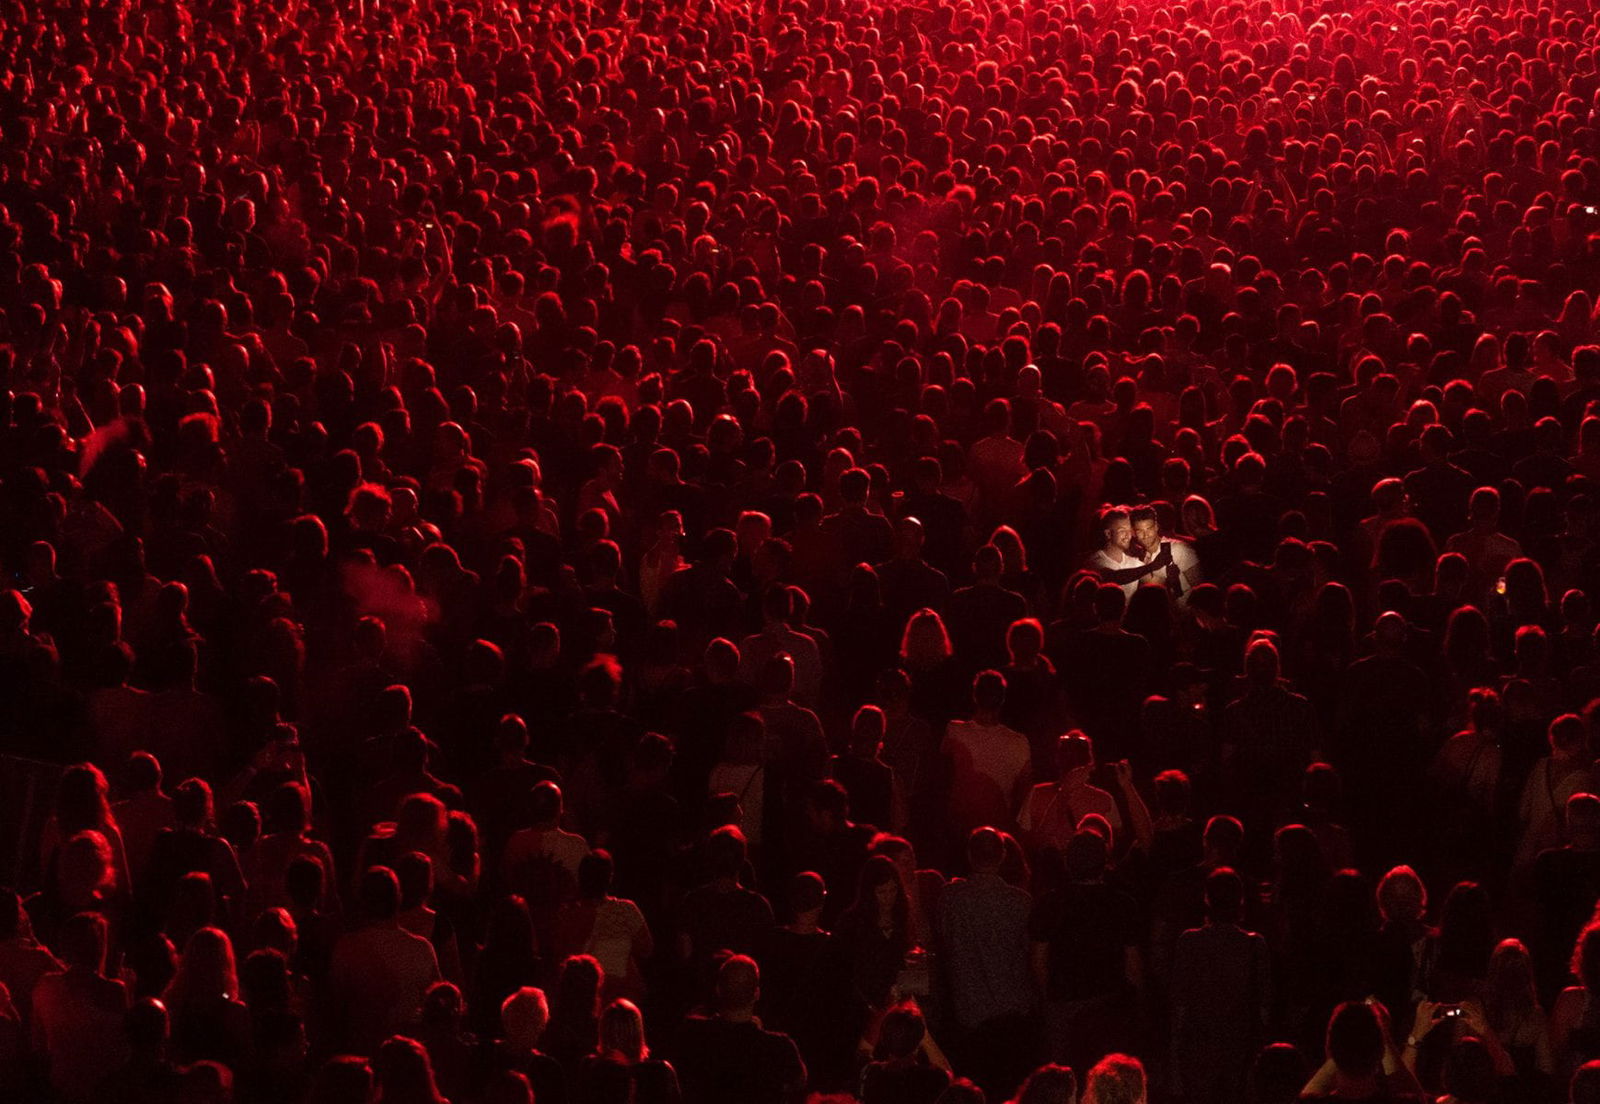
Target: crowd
point(754, 551)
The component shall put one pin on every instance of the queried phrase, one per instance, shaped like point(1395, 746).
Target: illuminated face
point(1148, 535)
point(1119, 535)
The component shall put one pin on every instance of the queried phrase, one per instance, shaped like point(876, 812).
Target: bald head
point(1390, 632)
point(909, 530)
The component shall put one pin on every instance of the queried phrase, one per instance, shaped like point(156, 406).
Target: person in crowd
point(524, 1016)
point(574, 1026)
point(1115, 1079)
point(1555, 778)
point(209, 1021)
point(612, 929)
point(902, 1069)
point(379, 971)
point(24, 962)
point(1363, 1062)
point(621, 1069)
point(1087, 961)
point(78, 1013)
point(403, 1071)
point(988, 763)
point(1220, 993)
point(1050, 1084)
point(727, 1056)
point(1585, 1084)
point(983, 952)
point(1053, 811)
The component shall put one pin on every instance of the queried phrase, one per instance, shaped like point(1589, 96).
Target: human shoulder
point(379, 943)
point(570, 839)
point(523, 839)
point(1089, 794)
point(989, 892)
point(109, 993)
point(1042, 791)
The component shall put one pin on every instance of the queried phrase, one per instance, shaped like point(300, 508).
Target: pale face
point(1119, 535)
point(1147, 534)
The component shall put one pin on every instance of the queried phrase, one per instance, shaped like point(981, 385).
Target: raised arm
point(1121, 575)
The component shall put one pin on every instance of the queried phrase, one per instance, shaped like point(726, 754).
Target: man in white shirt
point(988, 761)
point(1118, 560)
point(544, 839)
point(380, 972)
point(1181, 575)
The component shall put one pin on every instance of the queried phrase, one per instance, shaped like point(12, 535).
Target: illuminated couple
point(1134, 553)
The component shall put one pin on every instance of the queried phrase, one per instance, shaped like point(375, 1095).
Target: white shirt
point(989, 763)
point(379, 976)
point(619, 929)
point(567, 848)
point(1052, 812)
point(756, 649)
point(1111, 559)
point(1183, 556)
